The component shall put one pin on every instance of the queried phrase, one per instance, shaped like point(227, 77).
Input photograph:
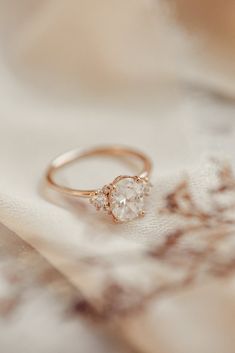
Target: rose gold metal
point(76, 155)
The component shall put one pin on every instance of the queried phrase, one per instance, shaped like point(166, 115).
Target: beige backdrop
point(54, 54)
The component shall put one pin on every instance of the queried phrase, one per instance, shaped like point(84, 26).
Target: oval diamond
point(127, 199)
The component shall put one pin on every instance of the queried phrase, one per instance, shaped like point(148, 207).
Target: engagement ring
point(124, 198)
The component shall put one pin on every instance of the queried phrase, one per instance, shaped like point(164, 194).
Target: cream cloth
point(35, 309)
point(79, 242)
point(108, 263)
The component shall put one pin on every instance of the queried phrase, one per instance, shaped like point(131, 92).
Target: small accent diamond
point(99, 200)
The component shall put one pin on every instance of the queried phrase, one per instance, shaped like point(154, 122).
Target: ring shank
point(75, 155)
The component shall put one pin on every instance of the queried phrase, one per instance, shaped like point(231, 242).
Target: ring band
point(123, 198)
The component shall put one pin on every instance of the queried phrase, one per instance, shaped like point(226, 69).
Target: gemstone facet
point(124, 198)
point(127, 199)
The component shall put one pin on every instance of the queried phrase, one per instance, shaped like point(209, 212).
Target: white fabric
point(38, 316)
point(175, 130)
point(32, 133)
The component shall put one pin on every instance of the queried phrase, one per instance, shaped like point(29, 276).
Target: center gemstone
point(127, 199)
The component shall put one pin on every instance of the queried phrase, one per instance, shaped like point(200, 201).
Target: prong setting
point(124, 198)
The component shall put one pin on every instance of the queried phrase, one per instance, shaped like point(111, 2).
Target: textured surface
point(71, 235)
point(167, 280)
point(37, 304)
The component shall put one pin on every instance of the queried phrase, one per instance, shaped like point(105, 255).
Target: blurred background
point(153, 74)
point(84, 46)
point(162, 64)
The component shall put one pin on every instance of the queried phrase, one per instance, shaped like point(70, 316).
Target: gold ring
point(124, 198)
